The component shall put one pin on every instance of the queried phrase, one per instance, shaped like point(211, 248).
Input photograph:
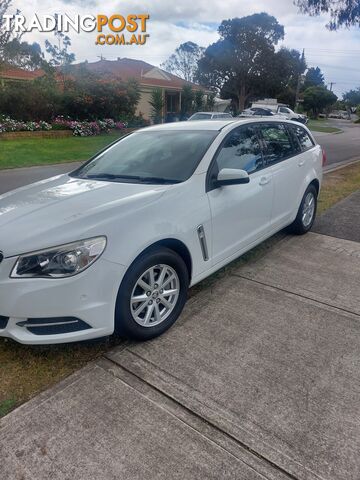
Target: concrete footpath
point(259, 379)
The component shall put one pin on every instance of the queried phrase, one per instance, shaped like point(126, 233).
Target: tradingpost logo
point(115, 29)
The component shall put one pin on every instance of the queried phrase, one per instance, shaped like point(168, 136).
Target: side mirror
point(231, 176)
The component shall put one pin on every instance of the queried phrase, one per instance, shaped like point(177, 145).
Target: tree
point(281, 82)
point(242, 59)
point(342, 13)
point(198, 100)
point(187, 99)
point(210, 102)
point(24, 55)
point(59, 51)
point(157, 105)
point(317, 98)
point(183, 62)
point(6, 35)
point(352, 97)
point(313, 78)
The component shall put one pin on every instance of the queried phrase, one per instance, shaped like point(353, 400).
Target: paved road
point(10, 179)
point(258, 380)
point(343, 146)
point(339, 148)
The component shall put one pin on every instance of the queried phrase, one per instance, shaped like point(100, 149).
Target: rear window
point(278, 143)
point(303, 137)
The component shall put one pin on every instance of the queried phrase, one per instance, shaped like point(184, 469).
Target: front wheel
point(152, 295)
point(306, 214)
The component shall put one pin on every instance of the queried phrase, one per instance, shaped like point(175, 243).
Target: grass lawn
point(322, 126)
point(26, 152)
point(26, 370)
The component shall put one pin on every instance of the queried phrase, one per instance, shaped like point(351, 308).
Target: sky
point(173, 22)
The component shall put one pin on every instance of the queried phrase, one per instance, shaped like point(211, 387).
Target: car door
point(281, 154)
point(240, 213)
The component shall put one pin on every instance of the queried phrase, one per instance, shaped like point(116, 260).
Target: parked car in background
point(280, 109)
point(112, 246)
point(210, 116)
point(339, 114)
point(257, 111)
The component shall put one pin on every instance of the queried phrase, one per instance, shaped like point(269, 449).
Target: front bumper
point(89, 297)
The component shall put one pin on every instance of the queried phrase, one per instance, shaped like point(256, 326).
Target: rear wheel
point(152, 295)
point(306, 213)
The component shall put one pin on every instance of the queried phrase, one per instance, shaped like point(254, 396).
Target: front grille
point(54, 325)
point(3, 322)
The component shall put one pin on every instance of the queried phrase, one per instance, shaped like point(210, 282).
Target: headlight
point(62, 261)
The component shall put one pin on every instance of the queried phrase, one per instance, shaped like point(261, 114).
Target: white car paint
point(132, 217)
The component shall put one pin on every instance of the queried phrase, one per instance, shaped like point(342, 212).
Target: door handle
point(301, 163)
point(264, 180)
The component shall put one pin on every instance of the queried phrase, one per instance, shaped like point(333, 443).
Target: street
point(339, 148)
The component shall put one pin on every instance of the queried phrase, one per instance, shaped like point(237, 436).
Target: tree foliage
point(59, 51)
point(352, 97)
point(157, 105)
point(6, 35)
point(199, 101)
point(23, 55)
point(317, 99)
point(238, 64)
point(187, 99)
point(87, 97)
point(183, 62)
point(343, 13)
point(313, 78)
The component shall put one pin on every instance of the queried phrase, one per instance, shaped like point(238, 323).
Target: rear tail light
point(323, 158)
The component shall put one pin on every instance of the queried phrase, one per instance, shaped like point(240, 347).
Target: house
point(149, 77)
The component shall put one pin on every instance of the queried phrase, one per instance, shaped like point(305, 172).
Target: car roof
point(199, 125)
point(215, 125)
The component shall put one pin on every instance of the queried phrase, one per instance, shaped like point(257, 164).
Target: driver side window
point(241, 150)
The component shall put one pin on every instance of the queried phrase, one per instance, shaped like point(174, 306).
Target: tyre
point(152, 295)
point(306, 214)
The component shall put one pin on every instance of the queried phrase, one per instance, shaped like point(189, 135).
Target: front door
point(240, 213)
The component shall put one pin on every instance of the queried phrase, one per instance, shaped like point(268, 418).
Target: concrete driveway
point(259, 379)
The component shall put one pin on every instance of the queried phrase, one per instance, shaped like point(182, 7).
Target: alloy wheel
point(308, 209)
point(154, 295)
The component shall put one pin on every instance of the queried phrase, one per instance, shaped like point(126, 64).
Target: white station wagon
point(115, 244)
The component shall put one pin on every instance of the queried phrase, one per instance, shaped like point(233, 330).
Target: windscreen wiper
point(138, 178)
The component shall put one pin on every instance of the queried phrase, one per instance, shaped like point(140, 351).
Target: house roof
point(145, 73)
point(16, 73)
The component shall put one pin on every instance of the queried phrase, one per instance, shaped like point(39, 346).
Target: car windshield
point(150, 157)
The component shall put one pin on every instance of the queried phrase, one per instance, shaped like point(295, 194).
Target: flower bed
point(78, 128)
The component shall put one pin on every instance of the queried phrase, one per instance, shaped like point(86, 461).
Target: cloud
point(172, 23)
